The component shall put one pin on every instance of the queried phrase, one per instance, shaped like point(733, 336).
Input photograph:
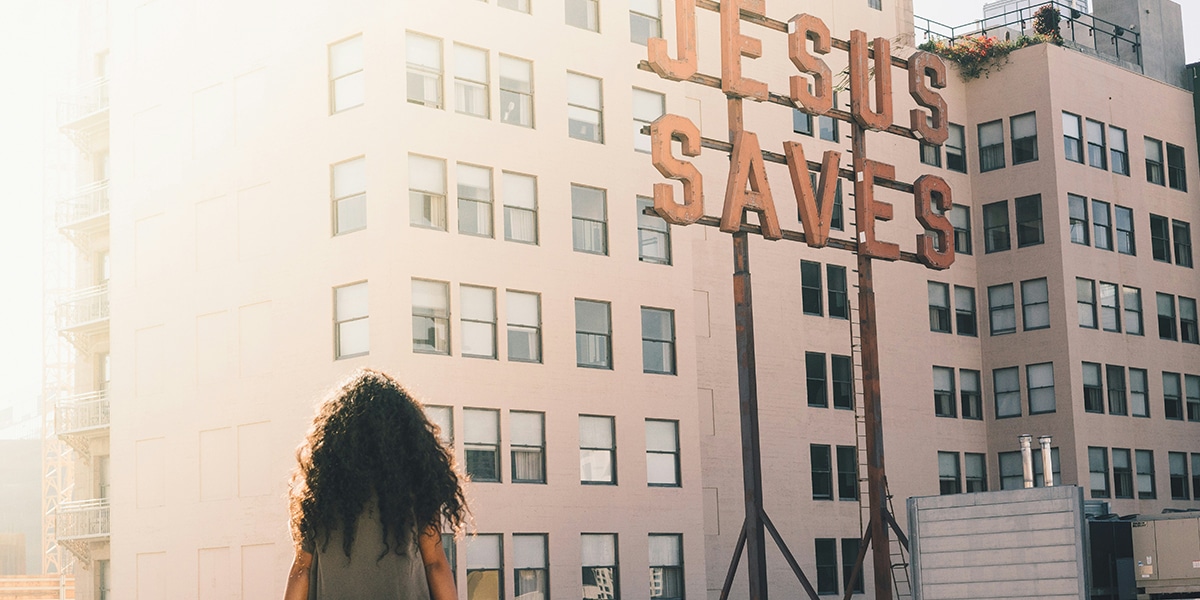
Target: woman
point(369, 498)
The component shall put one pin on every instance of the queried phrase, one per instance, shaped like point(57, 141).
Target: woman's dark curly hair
point(372, 440)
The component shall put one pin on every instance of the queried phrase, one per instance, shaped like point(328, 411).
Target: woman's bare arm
point(437, 568)
point(297, 583)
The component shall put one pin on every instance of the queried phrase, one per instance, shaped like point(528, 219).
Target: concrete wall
point(1160, 23)
point(1013, 544)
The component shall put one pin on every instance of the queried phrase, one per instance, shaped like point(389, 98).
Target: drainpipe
point(1047, 462)
point(1027, 458)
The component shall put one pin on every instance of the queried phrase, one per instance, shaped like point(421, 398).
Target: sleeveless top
point(364, 575)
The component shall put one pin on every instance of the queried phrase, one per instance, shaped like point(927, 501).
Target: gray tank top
point(363, 575)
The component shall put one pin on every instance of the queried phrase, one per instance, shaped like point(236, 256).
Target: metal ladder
point(900, 561)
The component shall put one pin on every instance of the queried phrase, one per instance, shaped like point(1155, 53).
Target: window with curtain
point(481, 442)
point(991, 146)
point(1024, 138)
point(431, 316)
point(524, 326)
point(1006, 389)
point(597, 450)
point(527, 440)
point(474, 200)
point(427, 192)
point(516, 89)
point(530, 567)
point(666, 566)
point(424, 55)
point(601, 578)
point(349, 188)
point(520, 208)
point(472, 89)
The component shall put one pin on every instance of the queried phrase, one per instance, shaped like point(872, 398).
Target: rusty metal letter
point(927, 190)
point(867, 211)
point(685, 40)
point(920, 66)
point(734, 46)
point(816, 217)
point(746, 166)
point(860, 80)
point(801, 29)
point(661, 132)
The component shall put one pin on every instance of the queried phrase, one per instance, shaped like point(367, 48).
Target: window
point(585, 113)
point(827, 565)
point(822, 472)
point(1116, 390)
point(520, 208)
point(443, 417)
point(1133, 310)
point(1178, 466)
point(478, 322)
point(481, 441)
point(810, 288)
point(1040, 379)
point(956, 149)
point(1176, 168)
point(1072, 138)
point(1055, 466)
point(104, 579)
point(530, 568)
point(1024, 139)
point(1097, 150)
point(960, 218)
point(662, 453)
point(1012, 475)
point(802, 122)
point(875, 4)
point(949, 475)
point(1122, 473)
point(471, 90)
point(1125, 240)
point(348, 182)
point(527, 432)
point(593, 334)
point(645, 21)
point(1145, 474)
point(991, 146)
point(836, 221)
point(597, 450)
point(427, 192)
point(1093, 388)
point(1195, 475)
point(524, 326)
point(1002, 312)
point(347, 83)
point(971, 394)
point(1172, 397)
point(1183, 243)
point(1139, 403)
point(1098, 471)
point(516, 91)
point(666, 566)
point(352, 333)
point(1006, 387)
point(647, 106)
point(944, 404)
point(1079, 219)
point(827, 126)
point(1160, 238)
point(843, 382)
point(1110, 307)
point(1166, 317)
point(976, 468)
point(850, 549)
point(519, 6)
point(584, 14)
point(939, 307)
point(431, 316)
point(931, 155)
point(814, 369)
point(484, 556)
point(964, 310)
point(474, 200)
point(1154, 162)
point(995, 227)
point(654, 235)
point(839, 307)
point(1029, 221)
point(589, 219)
point(1101, 225)
point(1085, 290)
point(1192, 387)
point(847, 467)
point(658, 341)
point(600, 577)
point(1119, 150)
point(1035, 304)
point(424, 70)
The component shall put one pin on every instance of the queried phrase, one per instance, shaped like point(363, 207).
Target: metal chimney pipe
point(1027, 458)
point(1047, 461)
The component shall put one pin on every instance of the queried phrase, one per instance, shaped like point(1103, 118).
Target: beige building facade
point(452, 192)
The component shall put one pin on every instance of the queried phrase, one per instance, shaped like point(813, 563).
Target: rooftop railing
point(85, 307)
point(81, 413)
point(86, 204)
point(1079, 30)
point(82, 520)
point(88, 101)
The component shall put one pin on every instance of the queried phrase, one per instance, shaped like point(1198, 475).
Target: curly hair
point(372, 440)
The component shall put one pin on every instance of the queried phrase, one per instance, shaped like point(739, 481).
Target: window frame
point(652, 227)
point(945, 400)
point(1028, 145)
point(1155, 169)
point(656, 31)
point(482, 206)
point(939, 315)
point(1097, 152)
point(435, 317)
point(837, 296)
point(997, 236)
point(1102, 225)
point(1016, 402)
point(817, 397)
point(510, 209)
point(426, 72)
point(467, 323)
point(949, 483)
point(1118, 400)
point(1119, 160)
point(821, 474)
point(1053, 400)
point(1093, 388)
point(538, 448)
point(1181, 231)
point(525, 328)
point(507, 63)
point(1029, 308)
point(996, 309)
point(1134, 324)
point(597, 110)
point(430, 199)
point(607, 363)
point(541, 573)
point(354, 196)
point(1145, 469)
point(471, 444)
point(1029, 229)
point(811, 294)
point(611, 450)
point(578, 222)
point(338, 322)
point(957, 152)
point(668, 343)
point(991, 157)
point(461, 82)
point(1173, 409)
point(1098, 466)
point(962, 235)
point(673, 453)
point(615, 567)
point(1123, 226)
point(1176, 168)
point(971, 396)
point(334, 79)
point(1087, 304)
point(1073, 144)
point(1168, 326)
point(662, 571)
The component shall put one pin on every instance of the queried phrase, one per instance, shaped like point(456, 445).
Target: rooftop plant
point(980, 55)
